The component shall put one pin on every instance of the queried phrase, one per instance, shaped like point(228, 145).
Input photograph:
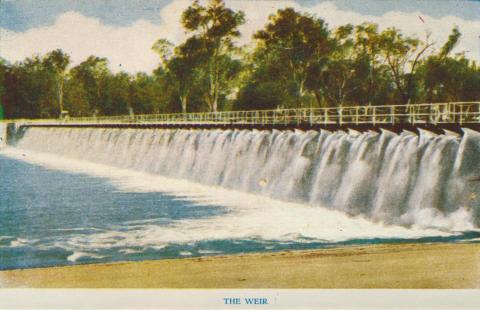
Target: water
point(3, 133)
point(70, 196)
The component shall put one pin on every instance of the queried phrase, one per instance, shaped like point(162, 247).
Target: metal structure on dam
point(435, 117)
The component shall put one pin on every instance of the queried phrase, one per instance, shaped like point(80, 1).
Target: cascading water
point(405, 179)
point(3, 134)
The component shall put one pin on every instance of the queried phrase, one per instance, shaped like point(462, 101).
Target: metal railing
point(428, 113)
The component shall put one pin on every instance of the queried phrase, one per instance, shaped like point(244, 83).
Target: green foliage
point(296, 61)
point(213, 29)
point(300, 43)
point(57, 62)
point(29, 90)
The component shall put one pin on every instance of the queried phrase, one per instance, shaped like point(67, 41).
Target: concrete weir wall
point(397, 128)
point(11, 132)
point(3, 134)
point(15, 131)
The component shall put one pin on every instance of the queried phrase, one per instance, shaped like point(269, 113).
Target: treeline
point(295, 61)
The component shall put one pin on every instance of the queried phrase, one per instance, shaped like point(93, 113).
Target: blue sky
point(21, 15)
point(124, 30)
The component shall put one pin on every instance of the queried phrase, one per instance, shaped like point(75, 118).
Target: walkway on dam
point(431, 116)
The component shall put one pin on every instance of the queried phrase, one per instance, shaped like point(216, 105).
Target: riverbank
point(375, 266)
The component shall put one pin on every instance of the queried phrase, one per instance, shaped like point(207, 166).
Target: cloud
point(129, 47)
point(410, 24)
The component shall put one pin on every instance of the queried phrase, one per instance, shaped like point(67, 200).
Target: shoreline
point(412, 265)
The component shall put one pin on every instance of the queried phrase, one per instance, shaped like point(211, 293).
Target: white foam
point(249, 216)
point(131, 251)
point(19, 242)
point(209, 252)
point(77, 255)
point(77, 229)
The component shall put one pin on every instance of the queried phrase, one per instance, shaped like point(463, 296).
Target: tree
point(402, 54)
point(145, 94)
point(181, 67)
point(265, 83)
point(213, 29)
point(297, 41)
point(452, 41)
point(446, 78)
point(76, 98)
point(57, 62)
point(29, 90)
point(333, 78)
point(92, 74)
point(374, 82)
point(115, 97)
point(163, 48)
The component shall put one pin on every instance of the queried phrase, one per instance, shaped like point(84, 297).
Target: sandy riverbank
point(378, 266)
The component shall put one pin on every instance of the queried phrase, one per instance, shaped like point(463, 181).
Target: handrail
point(431, 113)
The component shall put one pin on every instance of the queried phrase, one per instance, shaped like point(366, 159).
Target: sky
point(125, 30)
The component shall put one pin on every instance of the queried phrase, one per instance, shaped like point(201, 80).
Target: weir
point(407, 179)
point(3, 134)
point(408, 169)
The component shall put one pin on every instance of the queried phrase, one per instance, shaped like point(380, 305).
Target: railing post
point(451, 112)
point(461, 114)
point(356, 115)
point(392, 114)
point(374, 115)
point(411, 112)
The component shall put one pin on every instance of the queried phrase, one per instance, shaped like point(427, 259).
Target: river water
point(70, 196)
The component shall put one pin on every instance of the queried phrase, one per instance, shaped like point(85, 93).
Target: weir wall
point(19, 128)
point(3, 134)
point(407, 179)
point(12, 132)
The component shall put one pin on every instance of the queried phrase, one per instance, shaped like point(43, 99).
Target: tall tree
point(181, 66)
point(403, 55)
point(213, 29)
point(451, 42)
point(333, 78)
point(373, 80)
point(29, 90)
point(450, 78)
point(92, 74)
point(298, 41)
point(57, 62)
point(144, 94)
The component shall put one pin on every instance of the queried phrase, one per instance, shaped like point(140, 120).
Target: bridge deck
point(432, 116)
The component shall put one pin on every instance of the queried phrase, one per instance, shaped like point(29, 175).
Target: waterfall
point(404, 179)
point(3, 134)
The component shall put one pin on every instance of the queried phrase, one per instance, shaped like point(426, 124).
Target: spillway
point(3, 134)
point(407, 179)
